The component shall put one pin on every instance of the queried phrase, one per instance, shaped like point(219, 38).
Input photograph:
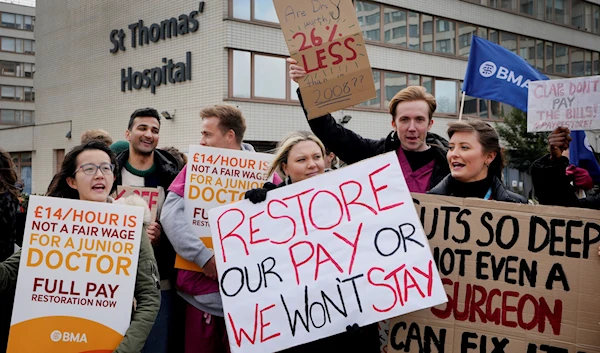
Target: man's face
point(213, 136)
point(143, 136)
point(411, 123)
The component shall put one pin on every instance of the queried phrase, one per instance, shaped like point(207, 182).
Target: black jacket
point(351, 147)
point(553, 187)
point(167, 170)
point(9, 206)
point(499, 192)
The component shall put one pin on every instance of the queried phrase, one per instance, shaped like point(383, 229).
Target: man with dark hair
point(223, 126)
point(145, 166)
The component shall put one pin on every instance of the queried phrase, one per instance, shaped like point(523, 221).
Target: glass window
point(595, 63)
point(509, 4)
point(19, 23)
point(444, 37)
point(375, 102)
point(588, 24)
point(19, 45)
point(539, 55)
point(7, 116)
point(27, 117)
point(393, 82)
point(427, 83)
point(395, 22)
point(368, 18)
point(561, 63)
point(494, 36)
point(509, 41)
point(7, 92)
point(549, 11)
point(29, 94)
point(470, 107)
point(8, 20)
point(549, 57)
point(8, 68)
point(29, 23)
point(18, 117)
point(483, 108)
point(18, 93)
point(413, 32)
point(241, 74)
point(596, 18)
point(577, 14)
point(540, 10)
point(270, 77)
point(8, 44)
point(528, 7)
point(241, 9)
point(577, 63)
point(427, 33)
point(527, 49)
point(495, 110)
point(28, 46)
point(264, 10)
point(28, 70)
point(446, 96)
point(588, 63)
point(465, 36)
point(560, 12)
point(414, 80)
point(293, 87)
point(482, 32)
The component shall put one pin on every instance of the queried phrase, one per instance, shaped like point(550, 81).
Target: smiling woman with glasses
point(79, 179)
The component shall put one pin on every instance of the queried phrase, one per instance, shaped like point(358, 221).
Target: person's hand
point(581, 177)
point(154, 231)
point(260, 194)
point(558, 141)
point(353, 328)
point(210, 269)
point(296, 72)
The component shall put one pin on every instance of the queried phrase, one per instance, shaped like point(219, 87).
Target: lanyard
point(488, 194)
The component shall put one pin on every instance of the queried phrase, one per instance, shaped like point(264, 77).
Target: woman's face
point(94, 177)
point(467, 159)
point(305, 160)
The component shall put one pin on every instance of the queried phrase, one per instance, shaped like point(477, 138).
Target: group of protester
point(180, 310)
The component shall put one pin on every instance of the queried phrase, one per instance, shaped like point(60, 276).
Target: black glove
point(353, 328)
point(259, 194)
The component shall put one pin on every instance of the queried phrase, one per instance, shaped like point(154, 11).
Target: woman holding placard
point(476, 162)
point(88, 173)
point(301, 156)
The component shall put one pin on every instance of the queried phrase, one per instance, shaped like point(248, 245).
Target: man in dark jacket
point(145, 166)
point(550, 181)
point(421, 154)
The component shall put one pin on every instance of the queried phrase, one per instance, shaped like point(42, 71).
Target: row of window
point(260, 76)
point(17, 45)
point(11, 68)
point(16, 21)
point(579, 14)
point(432, 34)
point(17, 93)
point(417, 31)
point(16, 117)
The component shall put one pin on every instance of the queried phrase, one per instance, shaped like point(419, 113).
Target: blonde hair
point(285, 146)
point(96, 135)
point(410, 94)
point(230, 118)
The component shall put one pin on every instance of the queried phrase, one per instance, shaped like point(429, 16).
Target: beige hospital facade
point(97, 61)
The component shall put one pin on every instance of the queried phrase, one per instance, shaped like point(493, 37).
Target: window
point(509, 41)
point(393, 82)
point(588, 63)
point(8, 68)
point(560, 11)
point(578, 14)
point(561, 63)
point(549, 57)
point(29, 94)
point(16, 117)
point(596, 19)
point(369, 19)
point(241, 9)
point(59, 156)
point(9, 20)
point(577, 62)
point(413, 32)
point(465, 36)
point(7, 92)
point(527, 7)
point(259, 76)
point(539, 55)
point(527, 49)
point(22, 161)
point(16, 93)
point(470, 107)
point(8, 44)
point(28, 70)
point(396, 22)
point(595, 63)
point(7, 116)
point(17, 45)
point(28, 116)
point(15, 21)
point(446, 94)
point(264, 10)
point(445, 37)
point(508, 5)
point(375, 102)
point(427, 33)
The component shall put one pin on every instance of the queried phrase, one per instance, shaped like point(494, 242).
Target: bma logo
point(57, 336)
point(487, 69)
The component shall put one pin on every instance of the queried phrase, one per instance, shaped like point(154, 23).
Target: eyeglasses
point(92, 169)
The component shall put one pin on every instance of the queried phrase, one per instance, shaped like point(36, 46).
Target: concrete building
point(91, 57)
point(17, 95)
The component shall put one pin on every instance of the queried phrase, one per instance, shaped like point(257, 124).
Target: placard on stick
point(76, 277)
point(571, 102)
point(326, 39)
point(519, 279)
point(341, 248)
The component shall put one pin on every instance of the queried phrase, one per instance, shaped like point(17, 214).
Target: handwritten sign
point(76, 276)
point(154, 197)
point(341, 248)
point(216, 177)
point(325, 38)
point(572, 103)
point(519, 278)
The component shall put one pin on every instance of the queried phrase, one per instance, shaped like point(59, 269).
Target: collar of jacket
point(165, 164)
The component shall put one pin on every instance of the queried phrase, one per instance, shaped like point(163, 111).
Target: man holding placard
point(146, 167)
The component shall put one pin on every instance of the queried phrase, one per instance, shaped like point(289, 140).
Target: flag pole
point(462, 106)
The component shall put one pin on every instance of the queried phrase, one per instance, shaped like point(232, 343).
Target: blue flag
point(496, 73)
point(581, 154)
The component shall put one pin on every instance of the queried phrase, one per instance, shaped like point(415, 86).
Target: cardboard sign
point(519, 278)
point(325, 38)
point(76, 276)
point(216, 177)
point(572, 103)
point(336, 249)
point(154, 197)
